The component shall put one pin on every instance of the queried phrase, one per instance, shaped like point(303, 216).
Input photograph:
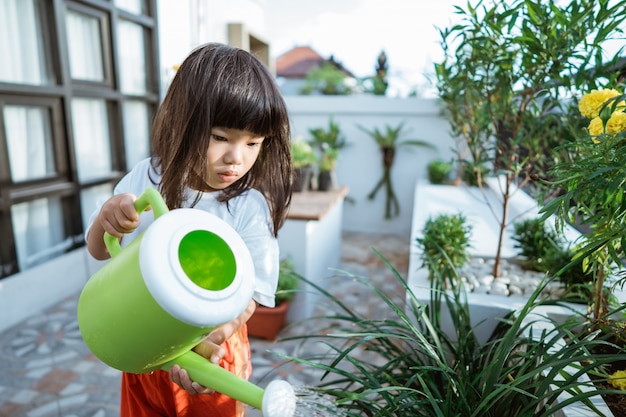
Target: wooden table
point(314, 205)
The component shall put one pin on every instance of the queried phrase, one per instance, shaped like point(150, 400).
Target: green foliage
point(328, 161)
point(439, 171)
point(535, 242)
point(328, 141)
point(508, 76)
point(444, 244)
point(288, 281)
point(326, 79)
point(302, 154)
point(474, 174)
point(401, 363)
point(507, 67)
point(544, 250)
point(593, 180)
point(330, 137)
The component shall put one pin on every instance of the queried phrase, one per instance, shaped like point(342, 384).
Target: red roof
point(297, 62)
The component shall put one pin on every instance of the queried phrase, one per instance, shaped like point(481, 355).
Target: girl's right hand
point(118, 215)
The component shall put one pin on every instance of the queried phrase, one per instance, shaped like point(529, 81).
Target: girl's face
point(231, 154)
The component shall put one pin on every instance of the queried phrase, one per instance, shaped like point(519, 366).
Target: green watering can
point(188, 273)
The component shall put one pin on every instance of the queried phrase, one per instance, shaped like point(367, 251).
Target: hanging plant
point(388, 143)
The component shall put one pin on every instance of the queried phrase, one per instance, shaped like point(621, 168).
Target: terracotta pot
point(267, 322)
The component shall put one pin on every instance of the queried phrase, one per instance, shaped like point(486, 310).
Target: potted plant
point(267, 322)
point(326, 179)
point(327, 141)
point(439, 171)
point(304, 158)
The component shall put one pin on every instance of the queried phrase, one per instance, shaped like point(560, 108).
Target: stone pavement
point(47, 371)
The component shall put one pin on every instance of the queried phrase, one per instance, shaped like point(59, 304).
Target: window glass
point(21, 43)
point(132, 58)
point(132, 6)
point(38, 228)
point(29, 141)
point(91, 138)
point(91, 198)
point(85, 46)
point(136, 131)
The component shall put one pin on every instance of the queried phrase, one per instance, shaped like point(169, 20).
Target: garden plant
point(593, 181)
point(509, 73)
point(439, 171)
point(444, 246)
point(389, 142)
point(414, 369)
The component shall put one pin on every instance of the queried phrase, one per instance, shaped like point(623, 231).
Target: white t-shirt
point(248, 214)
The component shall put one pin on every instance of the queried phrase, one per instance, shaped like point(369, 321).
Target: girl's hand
point(211, 349)
point(117, 217)
point(208, 349)
point(181, 377)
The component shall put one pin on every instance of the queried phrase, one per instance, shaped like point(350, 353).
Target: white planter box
point(481, 210)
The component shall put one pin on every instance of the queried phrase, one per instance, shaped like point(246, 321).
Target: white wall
point(360, 164)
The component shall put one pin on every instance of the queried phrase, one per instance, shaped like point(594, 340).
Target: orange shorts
point(155, 395)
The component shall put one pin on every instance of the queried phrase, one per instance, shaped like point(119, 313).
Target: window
point(75, 106)
point(91, 138)
point(132, 58)
point(29, 142)
point(22, 45)
point(85, 46)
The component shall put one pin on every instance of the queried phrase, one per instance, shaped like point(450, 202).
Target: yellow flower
point(617, 122)
point(618, 380)
point(595, 127)
point(591, 103)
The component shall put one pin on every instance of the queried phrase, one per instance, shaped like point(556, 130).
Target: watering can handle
point(149, 198)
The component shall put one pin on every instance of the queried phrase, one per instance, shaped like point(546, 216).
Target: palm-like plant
point(328, 138)
point(389, 142)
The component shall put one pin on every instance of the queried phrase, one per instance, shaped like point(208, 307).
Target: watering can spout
point(277, 400)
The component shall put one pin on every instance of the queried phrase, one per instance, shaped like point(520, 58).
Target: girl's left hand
point(181, 377)
point(207, 349)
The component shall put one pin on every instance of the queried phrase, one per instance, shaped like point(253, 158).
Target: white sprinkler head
point(279, 399)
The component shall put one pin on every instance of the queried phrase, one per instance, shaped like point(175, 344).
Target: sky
point(356, 31)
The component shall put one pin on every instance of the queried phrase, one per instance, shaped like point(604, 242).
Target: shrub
point(535, 243)
point(544, 251)
point(439, 171)
point(444, 245)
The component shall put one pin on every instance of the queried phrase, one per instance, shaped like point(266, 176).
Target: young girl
point(221, 144)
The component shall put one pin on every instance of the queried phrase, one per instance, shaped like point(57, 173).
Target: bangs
point(252, 104)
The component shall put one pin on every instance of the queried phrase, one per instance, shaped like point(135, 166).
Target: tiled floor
point(47, 371)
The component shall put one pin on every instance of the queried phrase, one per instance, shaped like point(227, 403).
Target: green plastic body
point(120, 321)
point(123, 325)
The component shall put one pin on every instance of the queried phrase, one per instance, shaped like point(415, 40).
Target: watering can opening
point(207, 260)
